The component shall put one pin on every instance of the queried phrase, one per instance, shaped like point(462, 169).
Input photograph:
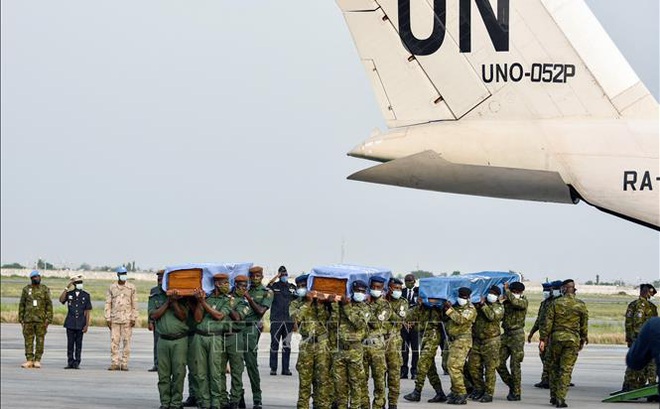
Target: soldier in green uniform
point(35, 313)
point(484, 356)
point(234, 343)
point(190, 359)
point(393, 340)
point(169, 315)
point(513, 339)
point(566, 331)
point(259, 298)
point(429, 322)
point(540, 319)
point(374, 345)
point(637, 313)
point(309, 315)
point(151, 325)
point(352, 319)
point(459, 319)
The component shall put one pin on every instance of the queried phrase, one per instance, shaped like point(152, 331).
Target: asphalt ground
point(599, 370)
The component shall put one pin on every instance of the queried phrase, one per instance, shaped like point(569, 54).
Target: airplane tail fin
point(437, 60)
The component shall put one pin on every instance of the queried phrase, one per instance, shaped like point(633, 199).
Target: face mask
point(283, 279)
point(516, 296)
point(491, 298)
point(123, 277)
point(376, 293)
point(239, 292)
point(359, 297)
point(301, 292)
point(35, 281)
point(462, 302)
point(79, 286)
point(223, 288)
point(396, 294)
point(556, 293)
point(546, 295)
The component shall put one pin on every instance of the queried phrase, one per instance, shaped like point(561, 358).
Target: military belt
point(173, 337)
point(208, 333)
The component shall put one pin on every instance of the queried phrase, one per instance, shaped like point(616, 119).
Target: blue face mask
point(396, 294)
point(283, 279)
point(301, 292)
point(123, 277)
point(359, 297)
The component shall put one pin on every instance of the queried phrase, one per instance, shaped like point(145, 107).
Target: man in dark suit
point(410, 333)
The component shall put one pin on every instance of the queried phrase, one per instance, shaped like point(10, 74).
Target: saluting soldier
point(169, 314)
point(393, 342)
point(352, 317)
point(484, 356)
point(79, 305)
point(374, 343)
point(259, 298)
point(513, 339)
point(459, 320)
point(310, 315)
point(566, 331)
point(428, 320)
point(35, 313)
point(540, 319)
point(637, 313)
point(121, 313)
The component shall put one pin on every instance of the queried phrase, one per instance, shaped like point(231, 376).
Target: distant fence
point(101, 275)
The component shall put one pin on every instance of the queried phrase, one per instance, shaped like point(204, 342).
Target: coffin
point(435, 290)
point(336, 279)
point(186, 277)
point(330, 285)
point(184, 281)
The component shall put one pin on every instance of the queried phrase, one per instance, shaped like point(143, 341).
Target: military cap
point(517, 286)
point(376, 279)
point(652, 289)
point(220, 276)
point(495, 290)
point(282, 269)
point(301, 278)
point(556, 285)
point(76, 277)
point(160, 272)
point(395, 280)
point(34, 273)
point(121, 270)
point(256, 270)
point(547, 286)
point(240, 278)
point(570, 280)
point(359, 284)
point(464, 292)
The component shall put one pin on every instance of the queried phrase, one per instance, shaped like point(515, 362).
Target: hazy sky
point(166, 132)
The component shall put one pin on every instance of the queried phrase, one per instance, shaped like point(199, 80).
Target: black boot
point(241, 402)
point(191, 402)
point(414, 396)
point(553, 400)
point(458, 400)
point(544, 385)
point(561, 403)
point(486, 398)
point(439, 397)
point(512, 396)
point(476, 394)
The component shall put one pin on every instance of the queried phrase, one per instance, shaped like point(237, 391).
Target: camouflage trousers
point(512, 346)
point(373, 359)
point(314, 374)
point(393, 360)
point(348, 372)
point(637, 379)
point(563, 355)
point(458, 351)
point(483, 362)
point(544, 359)
point(426, 367)
point(120, 333)
point(34, 331)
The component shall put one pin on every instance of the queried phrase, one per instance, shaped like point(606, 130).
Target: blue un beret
point(301, 278)
point(121, 270)
point(556, 284)
point(547, 286)
point(377, 279)
point(359, 284)
point(34, 273)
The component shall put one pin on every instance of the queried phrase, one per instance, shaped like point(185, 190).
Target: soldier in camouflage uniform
point(169, 315)
point(35, 313)
point(637, 313)
point(352, 319)
point(484, 356)
point(566, 330)
point(393, 340)
point(429, 320)
point(259, 298)
point(310, 315)
point(540, 319)
point(120, 315)
point(459, 319)
point(513, 338)
point(374, 345)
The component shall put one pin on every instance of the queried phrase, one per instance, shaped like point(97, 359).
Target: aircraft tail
point(438, 60)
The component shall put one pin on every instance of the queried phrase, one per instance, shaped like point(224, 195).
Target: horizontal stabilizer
point(429, 171)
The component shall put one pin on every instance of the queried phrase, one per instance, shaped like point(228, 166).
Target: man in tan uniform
point(120, 316)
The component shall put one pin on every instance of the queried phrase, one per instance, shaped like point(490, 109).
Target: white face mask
point(301, 292)
point(359, 297)
point(546, 295)
point(375, 293)
point(462, 302)
point(491, 298)
point(123, 277)
point(396, 294)
point(516, 296)
point(556, 293)
point(79, 286)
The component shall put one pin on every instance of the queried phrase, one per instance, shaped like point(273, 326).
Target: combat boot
point(191, 402)
point(123, 367)
point(113, 368)
point(486, 398)
point(439, 397)
point(511, 397)
point(27, 364)
point(241, 402)
point(458, 400)
point(542, 384)
point(561, 403)
point(256, 406)
point(414, 396)
point(476, 394)
point(553, 400)
point(36, 364)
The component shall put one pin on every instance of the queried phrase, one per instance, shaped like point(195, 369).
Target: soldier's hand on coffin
point(506, 286)
point(199, 294)
point(446, 305)
point(174, 295)
point(320, 296)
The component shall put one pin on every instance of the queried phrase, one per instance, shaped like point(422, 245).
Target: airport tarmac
point(599, 370)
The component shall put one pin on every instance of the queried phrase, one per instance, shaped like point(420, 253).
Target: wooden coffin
point(184, 281)
point(329, 285)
